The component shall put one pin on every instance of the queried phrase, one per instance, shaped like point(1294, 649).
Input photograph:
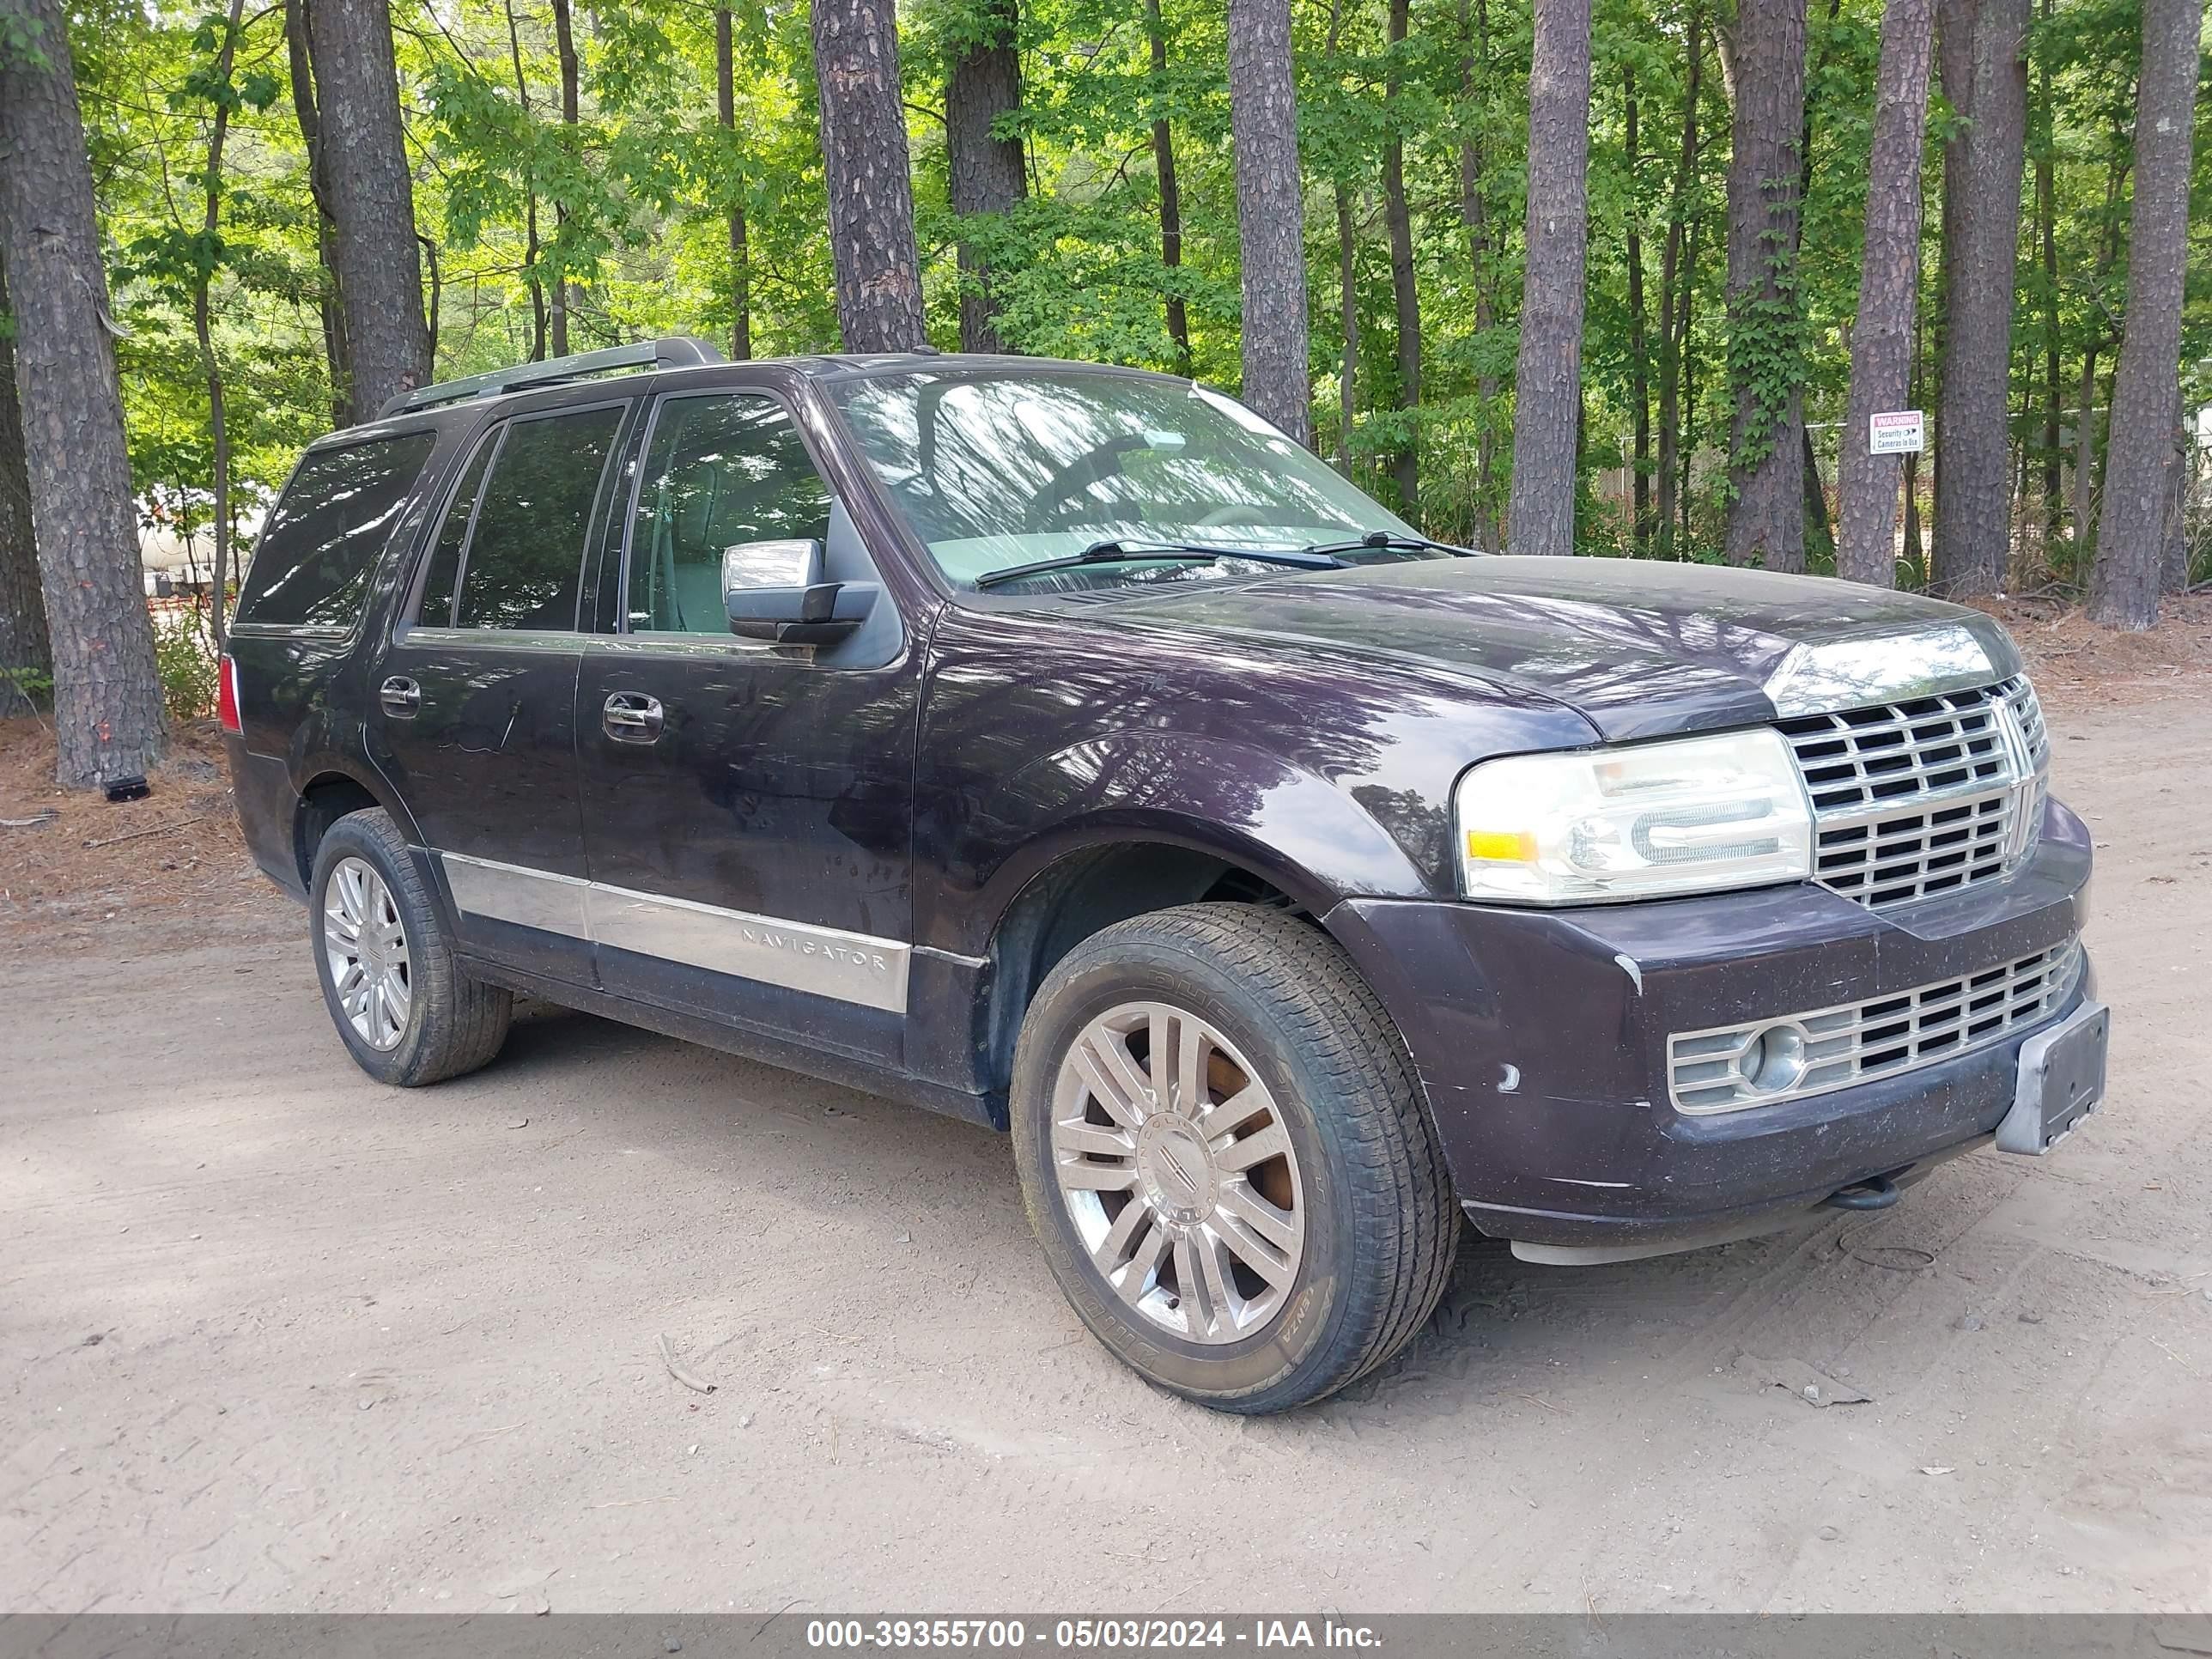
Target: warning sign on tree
point(1900, 432)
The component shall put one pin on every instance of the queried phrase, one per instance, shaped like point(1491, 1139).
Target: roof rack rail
point(675, 351)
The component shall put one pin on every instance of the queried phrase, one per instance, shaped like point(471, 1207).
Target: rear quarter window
point(318, 553)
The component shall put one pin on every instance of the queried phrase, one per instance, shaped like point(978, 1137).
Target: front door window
point(720, 472)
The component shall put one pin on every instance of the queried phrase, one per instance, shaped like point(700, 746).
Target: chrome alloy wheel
point(1177, 1172)
point(366, 945)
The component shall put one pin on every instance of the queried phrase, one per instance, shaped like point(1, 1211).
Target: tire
point(1340, 1278)
point(451, 1024)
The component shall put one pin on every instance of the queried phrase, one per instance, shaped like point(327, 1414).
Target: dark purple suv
point(1064, 749)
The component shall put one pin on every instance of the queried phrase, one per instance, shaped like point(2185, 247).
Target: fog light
point(1774, 1059)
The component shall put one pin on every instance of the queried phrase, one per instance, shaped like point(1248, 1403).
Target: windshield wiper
point(1118, 552)
point(1388, 538)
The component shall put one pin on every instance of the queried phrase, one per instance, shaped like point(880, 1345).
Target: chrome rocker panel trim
point(796, 956)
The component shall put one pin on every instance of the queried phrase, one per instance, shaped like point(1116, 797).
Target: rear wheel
point(401, 1003)
point(1225, 1157)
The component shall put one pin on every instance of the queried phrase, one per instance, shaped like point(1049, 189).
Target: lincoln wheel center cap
point(1176, 1168)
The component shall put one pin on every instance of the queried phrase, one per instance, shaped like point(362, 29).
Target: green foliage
point(184, 659)
point(630, 207)
point(27, 686)
point(20, 43)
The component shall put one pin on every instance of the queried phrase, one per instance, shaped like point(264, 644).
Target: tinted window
point(720, 472)
point(527, 548)
point(435, 608)
point(318, 552)
point(994, 471)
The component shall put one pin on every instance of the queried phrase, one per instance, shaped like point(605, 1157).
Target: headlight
point(1695, 815)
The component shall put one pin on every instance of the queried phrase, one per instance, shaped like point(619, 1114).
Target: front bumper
point(1541, 1036)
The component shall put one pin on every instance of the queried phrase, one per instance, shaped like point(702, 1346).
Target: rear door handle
point(631, 717)
point(401, 697)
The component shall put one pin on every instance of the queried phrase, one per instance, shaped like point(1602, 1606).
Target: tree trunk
point(1548, 376)
point(1766, 517)
point(1405, 289)
point(1474, 209)
point(25, 651)
point(107, 698)
point(2139, 457)
point(1347, 286)
point(532, 247)
point(741, 264)
point(203, 319)
point(2083, 506)
point(864, 164)
point(1916, 547)
point(2173, 558)
point(437, 291)
point(1955, 70)
point(1820, 531)
point(1973, 505)
point(1889, 295)
point(1263, 115)
point(311, 135)
point(986, 172)
point(1693, 242)
point(564, 38)
point(1724, 54)
point(1178, 319)
point(372, 201)
point(2047, 214)
point(2085, 457)
point(1640, 367)
point(1674, 341)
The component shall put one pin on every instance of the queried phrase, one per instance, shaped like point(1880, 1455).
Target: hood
point(1639, 648)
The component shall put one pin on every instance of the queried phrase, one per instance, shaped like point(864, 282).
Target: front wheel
point(1223, 1154)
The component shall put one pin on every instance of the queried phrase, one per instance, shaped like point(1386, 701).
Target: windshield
point(993, 472)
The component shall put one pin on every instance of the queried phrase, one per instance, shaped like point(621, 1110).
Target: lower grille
point(1765, 1062)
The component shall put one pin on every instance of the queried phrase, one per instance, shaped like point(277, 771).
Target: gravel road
point(273, 1338)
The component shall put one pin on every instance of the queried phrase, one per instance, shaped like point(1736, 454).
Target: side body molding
point(824, 962)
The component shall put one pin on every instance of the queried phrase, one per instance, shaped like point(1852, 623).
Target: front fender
point(1289, 826)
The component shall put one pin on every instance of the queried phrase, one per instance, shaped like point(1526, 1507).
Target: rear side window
point(525, 551)
point(435, 608)
point(318, 553)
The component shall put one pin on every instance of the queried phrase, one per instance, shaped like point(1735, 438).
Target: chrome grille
point(1914, 799)
point(1765, 1062)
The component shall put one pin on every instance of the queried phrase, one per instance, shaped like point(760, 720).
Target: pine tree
point(372, 201)
point(864, 163)
point(1889, 294)
point(2135, 531)
point(1547, 420)
point(107, 700)
point(1270, 214)
point(1981, 256)
point(1766, 515)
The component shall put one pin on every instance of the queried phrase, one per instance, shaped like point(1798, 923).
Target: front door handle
point(401, 697)
point(631, 717)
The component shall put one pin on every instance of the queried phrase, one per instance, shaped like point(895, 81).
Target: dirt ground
point(273, 1338)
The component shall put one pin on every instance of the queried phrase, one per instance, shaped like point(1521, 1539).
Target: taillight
point(226, 699)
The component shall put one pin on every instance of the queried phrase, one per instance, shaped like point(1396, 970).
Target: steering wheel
point(1045, 509)
point(1235, 513)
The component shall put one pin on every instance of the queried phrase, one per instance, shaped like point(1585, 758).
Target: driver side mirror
point(775, 591)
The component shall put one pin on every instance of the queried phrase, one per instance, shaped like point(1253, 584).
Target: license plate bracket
point(2060, 1081)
